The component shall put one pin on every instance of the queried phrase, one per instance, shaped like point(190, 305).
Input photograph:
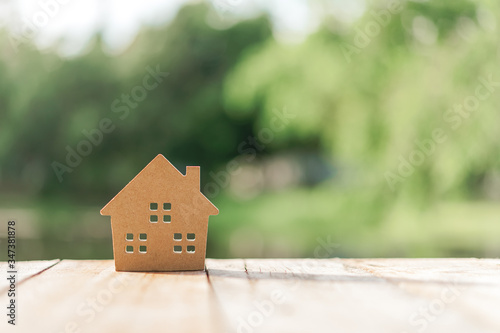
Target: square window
point(143, 237)
point(167, 218)
point(177, 237)
point(190, 249)
point(190, 237)
point(129, 249)
point(153, 218)
point(143, 249)
point(167, 206)
point(177, 249)
point(153, 206)
point(129, 237)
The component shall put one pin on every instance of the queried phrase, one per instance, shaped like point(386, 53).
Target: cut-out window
point(129, 249)
point(177, 249)
point(167, 206)
point(190, 237)
point(190, 249)
point(177, 237)
point(143, 237)
point(167, 218)
point(143, 249)
point(153, 218)
point(129, 237)
point(153, 206)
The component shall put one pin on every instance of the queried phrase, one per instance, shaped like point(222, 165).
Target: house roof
point(161, 168)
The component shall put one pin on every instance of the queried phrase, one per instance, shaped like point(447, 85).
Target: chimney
point(193, 176)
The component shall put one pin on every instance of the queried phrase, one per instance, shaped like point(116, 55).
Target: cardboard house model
point(160, 220)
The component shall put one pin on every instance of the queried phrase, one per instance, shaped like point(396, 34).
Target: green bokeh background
point(363, 103)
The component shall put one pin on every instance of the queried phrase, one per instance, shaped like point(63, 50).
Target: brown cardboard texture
point(160, 220)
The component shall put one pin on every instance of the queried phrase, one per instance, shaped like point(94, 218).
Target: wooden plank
point(247, 296)
point(469, 287)
point(90, 296)
point(299, 296)
point(25, 270)
point(342, 295)
point(439, 270)
point(231, 287)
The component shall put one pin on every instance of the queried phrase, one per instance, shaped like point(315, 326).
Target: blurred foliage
point(361, 112)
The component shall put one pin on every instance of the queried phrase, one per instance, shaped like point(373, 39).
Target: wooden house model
point(159, 220)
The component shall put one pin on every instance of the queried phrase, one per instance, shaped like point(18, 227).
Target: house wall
point(160, 252)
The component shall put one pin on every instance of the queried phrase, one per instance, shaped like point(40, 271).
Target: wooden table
point(259, 295)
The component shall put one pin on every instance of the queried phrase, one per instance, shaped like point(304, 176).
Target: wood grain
point(358, 295)
point(90, 296)
point(461, 292)
point(25, 270)
point(265, 295)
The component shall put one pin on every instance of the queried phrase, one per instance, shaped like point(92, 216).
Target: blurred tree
point(51, 103)
point(374, 109)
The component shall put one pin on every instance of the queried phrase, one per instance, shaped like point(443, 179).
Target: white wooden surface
point(25, 270)
point(254, 295)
